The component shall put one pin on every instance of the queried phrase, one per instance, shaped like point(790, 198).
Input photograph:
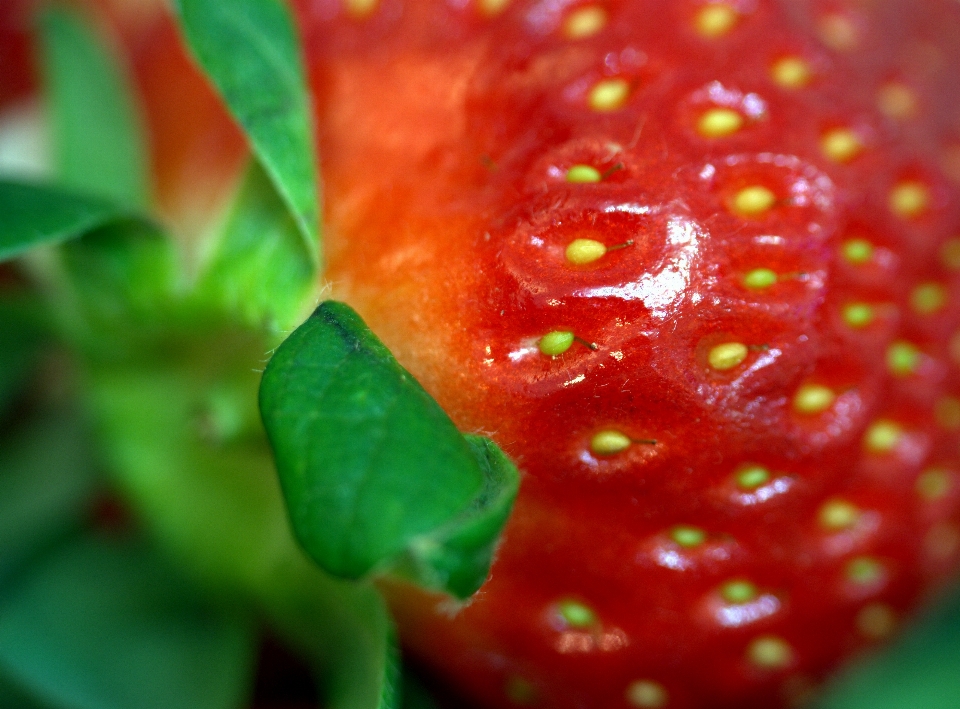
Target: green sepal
point(375, 474)
point(99, 143)
point(259, 272)
point(106, 624)
point(250, 50)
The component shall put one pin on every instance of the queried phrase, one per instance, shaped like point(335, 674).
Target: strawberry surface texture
point(693, 265)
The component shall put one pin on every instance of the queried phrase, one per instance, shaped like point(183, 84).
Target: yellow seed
point(947, 413)
point(492, 7)
point(609, 443)
point(647, 694)
point(909, 199)
point(857, 251)
point(760, 278)
point(876, 621)
point(934, 483)
point(903, 359)
point(716, 20)
point(813, 399)
point(360, 8)
point(719, 122)
point(753, 201)
point(728, 355)
point(608, 95)
point(738, 591)
point(928, 298)
point(883, 437)
point(950, 254)
point(841, 145)
point(752, 477)
point(581, 251)
point(836, 515)
point(838, 32)
point(585, 22)
point(688, 536)
point(897, 101)
point(770, 652)
point(864, 571)
point(555, 343)
point(791, 72)
point(858, 315)
point(583, 173)
point(576, 614)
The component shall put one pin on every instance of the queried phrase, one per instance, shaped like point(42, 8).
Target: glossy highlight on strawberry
point(693, 266)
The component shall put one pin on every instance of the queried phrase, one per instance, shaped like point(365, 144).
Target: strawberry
point(693, 266)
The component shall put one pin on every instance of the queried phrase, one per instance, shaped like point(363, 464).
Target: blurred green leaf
point(921, 670)
point(47, 480)
point(184, 440)
point(122, 274)
point(374, 472)
point(104, 624)
point(100, 147)
point(259, 270)
point(415, 695)
point(345, 632)
point(12, 696)
point(37, 215)
point(23, 331)
point(250, 50)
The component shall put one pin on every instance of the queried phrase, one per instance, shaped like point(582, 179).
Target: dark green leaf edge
point(451, 553)
point(251, 52)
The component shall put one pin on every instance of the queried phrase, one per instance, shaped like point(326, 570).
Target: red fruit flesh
point(783, 484)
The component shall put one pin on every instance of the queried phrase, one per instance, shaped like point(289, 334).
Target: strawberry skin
point(693, 266)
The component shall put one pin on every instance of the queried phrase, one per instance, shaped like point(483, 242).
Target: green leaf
point(921, 670)
point(106, 625)
point(47, 480)
point(37, 215)
point(99, 143)
point(259, 269)
point(250, 50)
point(23, 331)
point(374, 472)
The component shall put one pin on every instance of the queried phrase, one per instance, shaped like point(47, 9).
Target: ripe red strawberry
point(693, 266)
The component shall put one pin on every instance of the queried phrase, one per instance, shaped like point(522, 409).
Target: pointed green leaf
point(37, 215)
point(374, 472)
point(250, 50)
point(47, 480)
point(104, 624)
point(259, 270)
point(99, 143)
